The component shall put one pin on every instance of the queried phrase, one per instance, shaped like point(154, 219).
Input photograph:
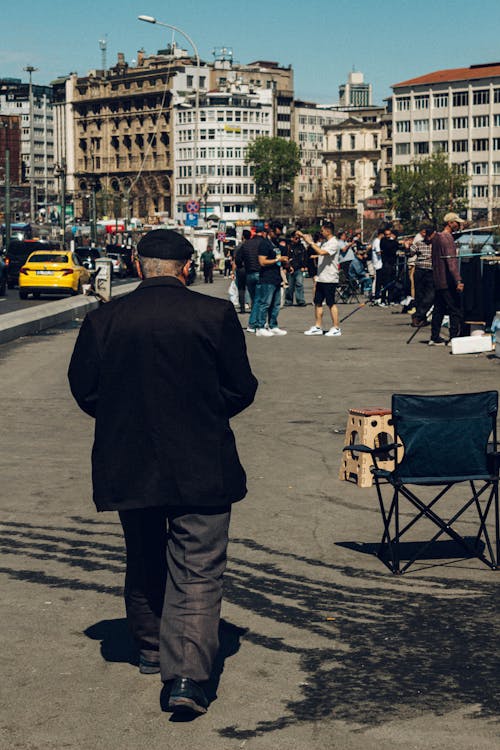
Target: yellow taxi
point(52, 272)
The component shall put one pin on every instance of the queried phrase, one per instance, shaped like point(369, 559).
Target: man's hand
point(460, 286)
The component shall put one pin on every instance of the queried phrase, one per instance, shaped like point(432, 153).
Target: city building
point(355, 93)
point(220, 129)
point(352, 160)
point(123, 157)
point(15, 101)
point(457, 112)
point(309, 121)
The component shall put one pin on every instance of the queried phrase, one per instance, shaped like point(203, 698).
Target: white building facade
point(14, 100)
point(216, 174)
point(456, 112)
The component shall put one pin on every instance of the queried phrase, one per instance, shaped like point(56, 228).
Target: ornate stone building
point(123, 159)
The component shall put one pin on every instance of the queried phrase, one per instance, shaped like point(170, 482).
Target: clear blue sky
point(388, 40)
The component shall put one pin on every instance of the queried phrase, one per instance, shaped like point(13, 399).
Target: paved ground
point(321, 646)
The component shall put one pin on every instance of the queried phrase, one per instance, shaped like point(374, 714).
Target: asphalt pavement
point(321, 647)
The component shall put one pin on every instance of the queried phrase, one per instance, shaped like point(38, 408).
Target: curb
point(26, 322)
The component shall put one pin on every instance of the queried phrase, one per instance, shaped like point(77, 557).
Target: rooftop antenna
point(103, 45)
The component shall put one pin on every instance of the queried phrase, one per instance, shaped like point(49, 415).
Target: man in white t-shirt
point(327, 279)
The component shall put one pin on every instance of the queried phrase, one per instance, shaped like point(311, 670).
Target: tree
point(276, 163)
point(427, 190)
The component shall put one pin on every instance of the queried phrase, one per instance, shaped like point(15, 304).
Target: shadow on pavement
point(372, 648)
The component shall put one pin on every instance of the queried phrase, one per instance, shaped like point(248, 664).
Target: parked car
point(88, 256)
point(119, 265)
point(3, 277)
point(17, 254)
point(52, 273)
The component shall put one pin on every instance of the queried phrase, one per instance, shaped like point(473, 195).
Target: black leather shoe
point(187, 695)
point(148, 665)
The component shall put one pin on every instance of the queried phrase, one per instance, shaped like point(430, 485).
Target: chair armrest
point(358, 449)
point(374, 451)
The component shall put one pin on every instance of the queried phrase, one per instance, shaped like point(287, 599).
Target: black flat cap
point(165, 244)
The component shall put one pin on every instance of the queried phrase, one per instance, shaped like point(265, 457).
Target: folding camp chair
point(447, 440)
point(348, 289)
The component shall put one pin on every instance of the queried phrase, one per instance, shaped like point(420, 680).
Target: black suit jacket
point(162, 370)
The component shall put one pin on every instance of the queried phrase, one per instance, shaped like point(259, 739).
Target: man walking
point(162, 370)
point(208, 261)
point(326, 280)
point(421, 250)
point(448, 285)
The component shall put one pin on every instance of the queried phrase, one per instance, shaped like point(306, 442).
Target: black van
point(17, 254)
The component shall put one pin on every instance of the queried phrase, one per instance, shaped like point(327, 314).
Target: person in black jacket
point(162, 370)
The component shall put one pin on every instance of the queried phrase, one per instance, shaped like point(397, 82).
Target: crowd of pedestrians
point(269, 268)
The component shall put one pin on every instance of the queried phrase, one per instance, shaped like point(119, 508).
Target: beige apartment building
point(118, 155)
point(457, 112)
point(352, 160)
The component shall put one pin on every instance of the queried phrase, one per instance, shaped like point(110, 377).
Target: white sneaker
point(263, 332)
point(250, 330)
point(334, 332)
point(314, 331)
point(278, 331)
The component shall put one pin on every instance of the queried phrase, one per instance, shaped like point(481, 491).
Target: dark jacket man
point(162, 370)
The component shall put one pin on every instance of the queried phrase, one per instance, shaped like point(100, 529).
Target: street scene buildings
point(168, 132)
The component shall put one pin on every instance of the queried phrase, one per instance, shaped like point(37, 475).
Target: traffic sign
point(193, 207)
point(191, 220)
point(221, 236)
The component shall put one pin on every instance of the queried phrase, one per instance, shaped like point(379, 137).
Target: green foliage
point(276, 163)
point(427, 191)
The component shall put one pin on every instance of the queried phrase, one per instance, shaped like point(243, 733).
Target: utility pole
point(30, 69)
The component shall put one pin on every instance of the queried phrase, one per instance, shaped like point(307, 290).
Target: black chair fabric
point(445, 438)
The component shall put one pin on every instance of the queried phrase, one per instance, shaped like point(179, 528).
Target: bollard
point(102, 278)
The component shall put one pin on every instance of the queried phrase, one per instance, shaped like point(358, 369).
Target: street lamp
point(60, 171)
point(30, 69)
point(151, 19)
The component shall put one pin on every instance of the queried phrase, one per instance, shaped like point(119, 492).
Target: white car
point(119, 265)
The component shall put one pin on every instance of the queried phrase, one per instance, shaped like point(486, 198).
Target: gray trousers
point(176, 558)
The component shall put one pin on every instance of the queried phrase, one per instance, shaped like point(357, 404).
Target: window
point(421, 147)
point(461, 99)
point(480, 167)
point(352, 169)
point(353, 141)
point(440, 100)
point(421, 126)
point(339, 143)
point(481, 97)
point(460, 122)
point(403, 126)
point(460, 146)
point(496, 144)
point(189, 82)
point(440, 123)
point(480, 144)
point(496, 96)
point(481, 121)
point(496, 120)
point(421, 102)
point(402, 103)
point(480, 191)
point(402, 149)
point(496, 167)
point(440, 146)
point(496, 191)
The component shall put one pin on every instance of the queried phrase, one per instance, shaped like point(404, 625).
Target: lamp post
point(60, 171)
point(30, 69)
point(5, 126)
point(151, 19)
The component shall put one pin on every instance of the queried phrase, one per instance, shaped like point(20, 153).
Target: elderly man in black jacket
point(162, 370)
